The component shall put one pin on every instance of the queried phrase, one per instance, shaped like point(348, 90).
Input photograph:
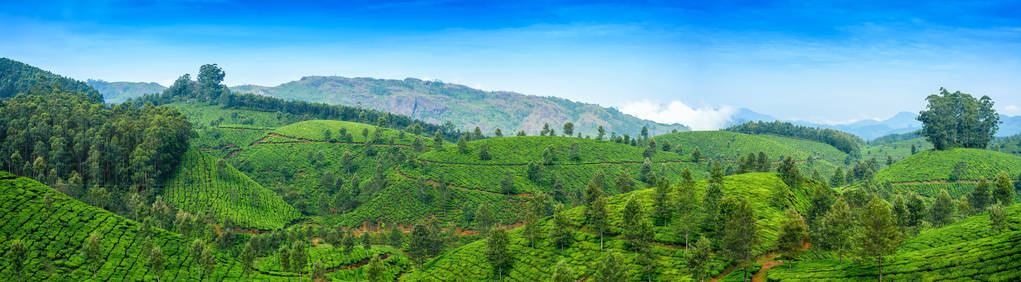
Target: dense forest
point(17, 77)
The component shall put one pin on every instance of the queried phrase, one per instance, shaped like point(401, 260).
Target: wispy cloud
point(704, 118)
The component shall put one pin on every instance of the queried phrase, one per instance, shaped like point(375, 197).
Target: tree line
point(845, 142)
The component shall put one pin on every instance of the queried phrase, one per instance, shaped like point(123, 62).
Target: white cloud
point(677, 112)
point(1011, 110)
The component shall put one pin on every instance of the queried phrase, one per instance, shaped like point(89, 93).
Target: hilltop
point(17, 77)
point(438, 102)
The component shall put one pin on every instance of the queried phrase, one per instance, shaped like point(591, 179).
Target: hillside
point(965, 250)
point(730, 146)
point(438, 102)
point(118, 91)
point(202, 185)
point(933, 165)
point(17, 77)
point(582, 256)
point(55, 228)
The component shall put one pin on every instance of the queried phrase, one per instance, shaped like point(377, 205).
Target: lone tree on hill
point(1004, 192)
point(568, 128)
point(497, 252)
point(956, 120)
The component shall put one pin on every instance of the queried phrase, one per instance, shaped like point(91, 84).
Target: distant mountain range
point(465, 107)
point(117, 92)
point(869, 129)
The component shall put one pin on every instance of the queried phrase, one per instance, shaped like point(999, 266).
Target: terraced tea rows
point(55, 229)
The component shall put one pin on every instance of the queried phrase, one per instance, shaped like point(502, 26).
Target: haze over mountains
point(439, 102)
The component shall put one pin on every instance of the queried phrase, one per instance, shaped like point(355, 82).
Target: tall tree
point(953, 120)
point(16, 254)
point(699, 259)
point(879, 235)
point(997, 218)
point(438, 140)
point(792, 234)
point(374, 270)
point(497, 252)
point(208, 260)
point(942, 209)
point(299, 257)
point(597, 218)
point(1004, 192)
point(568, 128)
point(610, 267)
point(836, 229)
point(741, 234)
point(979, 198)
point(560, 233)
point(916, 210)
point(156, 261)
point(210, 77)
point(562, 272)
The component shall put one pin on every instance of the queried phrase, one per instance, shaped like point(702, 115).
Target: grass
point(55, 227)
point(199, 186)
point(938, 165)
point(531, 264)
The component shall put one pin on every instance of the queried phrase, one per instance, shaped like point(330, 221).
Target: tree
point(741, 234)
point(560, 233)
point(208, 261)
point(395, 237)
point(366, 240)
point(610, 267)
point(838, 178)
point(568, 128)
point(521, 133)
point(900, 211)
point(637, 229)
point(687, 215)
point(979, 198)
point(299, 257)
point(716, 174)
point(531, 232)
point(821, 201)
point(348, 241)
point(594, 189)
point(534, 171)
point(699, 259)
point(1004, 192)
point(600, 133)
point(997, 217)
point(562, 272)
point(284, 257)
point(496, 249)
point(438, 140)
point(462, 144)
point(156, 261)
point(916, 210)
point(836, 229)
point(792, 234)
point(318, 270)
point(210, 77)
point(942, 209)
point(477, 134)
point(790, 173)
point(484, 152)
point(914, 150)
point(16, 254)
point(549, 155)
point(575, 152)
point(696, 156)
point(498, 132)
point(93, 246)
point(953, 120)
point(624, 183)
point(597, 218)
point(879, 236)
point(507, 184)
point(248, 255)
point(374, 270)
point(484, 217)
point(196, 249)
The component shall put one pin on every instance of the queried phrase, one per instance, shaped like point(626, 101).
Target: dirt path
point(767, 263)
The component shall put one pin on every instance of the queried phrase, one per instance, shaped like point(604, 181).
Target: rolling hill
point(956, 170)
point(582, 256)
point(55, 229)
point(203, 185)
point(439, 102)
point(935, 254)
point(17, 77)
point(730, 146)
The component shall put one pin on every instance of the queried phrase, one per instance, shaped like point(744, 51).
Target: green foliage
point(958, 120)
point(17, 77)
point(496, 250)
point(845, 142)
point(58, 234)
point(196, 187)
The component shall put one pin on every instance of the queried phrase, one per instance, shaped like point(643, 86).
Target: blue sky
point(692, 63)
